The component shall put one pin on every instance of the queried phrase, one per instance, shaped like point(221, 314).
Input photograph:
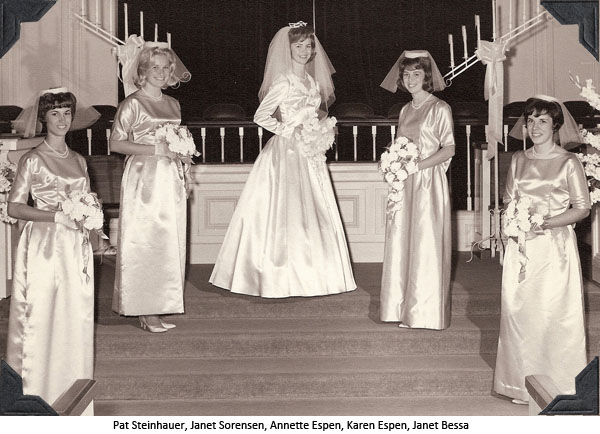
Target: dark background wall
point(224, 43)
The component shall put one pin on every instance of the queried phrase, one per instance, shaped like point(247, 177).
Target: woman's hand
point(161, 148)
point(63, 219)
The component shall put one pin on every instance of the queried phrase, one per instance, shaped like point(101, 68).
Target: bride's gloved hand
point(63, 219)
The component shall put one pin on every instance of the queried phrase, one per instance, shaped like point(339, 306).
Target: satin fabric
point(151, 250)
point(286, 236)
point(415, 284)
point(542, 318)
point(51, 321)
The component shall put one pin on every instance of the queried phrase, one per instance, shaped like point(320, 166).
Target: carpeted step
point(338, 406)
point(296, 377)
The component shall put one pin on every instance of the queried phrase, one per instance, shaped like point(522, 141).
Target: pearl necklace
point(418, 106)
point(544, 154)
point(58, 154)
point(154, 98)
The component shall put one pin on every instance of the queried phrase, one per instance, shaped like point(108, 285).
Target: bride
point(286, 237)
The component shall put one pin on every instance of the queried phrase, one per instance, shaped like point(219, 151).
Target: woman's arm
point(445, 133)
point(22, 211)
point(570, 216)
point(274, 97)
point(130, 148)
point(442, 155)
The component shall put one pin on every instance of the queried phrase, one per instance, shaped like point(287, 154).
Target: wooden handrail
point(76, 398)
point(542, 390)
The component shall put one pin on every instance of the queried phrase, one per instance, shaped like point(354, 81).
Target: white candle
point(125, 16)
point(493, 20)
point(478, 28)
point(155, 32)
point(169, 39)
point(510, 14)
point(142, 24)
point(464, 35)
point(110, 16)
point(97, 12)
point(451, 50)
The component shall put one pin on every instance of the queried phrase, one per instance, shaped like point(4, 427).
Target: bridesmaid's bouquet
point(520, 218)
point(316, 136)
point(8, 172)
point(85, 209)
point(396, 163)
point(591, 165)
point(179, 140)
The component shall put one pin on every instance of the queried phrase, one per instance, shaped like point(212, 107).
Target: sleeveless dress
point(415, 284)
point(285, 237)
point(542, 327)
point(51, 321)
point(151, 251)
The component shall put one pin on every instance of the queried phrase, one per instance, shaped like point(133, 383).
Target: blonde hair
point(144, 65)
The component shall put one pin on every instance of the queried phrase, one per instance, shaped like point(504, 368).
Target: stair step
point(295, 377)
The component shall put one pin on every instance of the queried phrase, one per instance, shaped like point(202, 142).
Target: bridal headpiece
point(390, 82)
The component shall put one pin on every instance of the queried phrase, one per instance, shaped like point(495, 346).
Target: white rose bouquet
point(591, 165)
point(521, 218)
point(397, 163)
point(179, 140)
point(316, 136)
point(85, 209)
point(8, 172)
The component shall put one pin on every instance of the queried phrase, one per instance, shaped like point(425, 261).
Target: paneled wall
point(56, 51)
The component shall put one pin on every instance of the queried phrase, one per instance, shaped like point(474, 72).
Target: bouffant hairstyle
point(417, 63)
point(300, 34)
point(51, 101)
point(144, 65)
point(535, 106)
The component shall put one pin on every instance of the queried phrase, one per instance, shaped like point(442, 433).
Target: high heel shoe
point(150, 328)
point(166, 325)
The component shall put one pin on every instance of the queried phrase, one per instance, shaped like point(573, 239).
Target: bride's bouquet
point(396, 163)
point(591, 165)
point(179, 140)
point(520, 218)
point(316, 136)
point(8, 172)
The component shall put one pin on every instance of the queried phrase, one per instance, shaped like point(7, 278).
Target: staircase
point(240, 355)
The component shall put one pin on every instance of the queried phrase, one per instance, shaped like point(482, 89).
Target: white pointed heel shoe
point(152, 329)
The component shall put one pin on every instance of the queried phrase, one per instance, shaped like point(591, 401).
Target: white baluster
point(393, 132)
point(469, 198)
point(222, 132)
point(505, 138)
point(355, 136)
point(108, 141)
point(126, 19)
point(203, 135)
point(260, 138)
point(374, 136)
point(89, 139)
point(524, 137)
point(142, 24)
point(241, 133)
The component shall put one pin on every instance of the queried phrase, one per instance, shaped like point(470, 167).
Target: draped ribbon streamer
point(492, 55)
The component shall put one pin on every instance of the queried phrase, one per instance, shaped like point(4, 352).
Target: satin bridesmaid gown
point(415, 284)
point(285, 238)
point(151, 250)
point(542, 327)
point(51, 321)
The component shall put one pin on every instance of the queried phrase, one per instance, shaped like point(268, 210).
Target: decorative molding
point(15, 12)
point(12, 400)
point(582, 13)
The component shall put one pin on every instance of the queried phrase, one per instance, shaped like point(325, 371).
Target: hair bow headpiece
point(297, 25)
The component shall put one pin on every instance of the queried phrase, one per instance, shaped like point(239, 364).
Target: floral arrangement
point(179, 139)
point(85, 209)
point(8, 172)
point(520, 218)
point(396, 163)
point(588, 92)
point(316, 136)
point(591, 165)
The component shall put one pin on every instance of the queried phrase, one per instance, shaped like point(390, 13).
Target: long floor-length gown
point(286, 236)
point(542, 319)
point(51, 320)
point(415, 284)
point(151, 249)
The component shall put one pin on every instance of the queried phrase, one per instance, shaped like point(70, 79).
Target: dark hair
point(419, 63)
point(300, 34)
point(144, 64)
point(535, 106)
point(51, 101)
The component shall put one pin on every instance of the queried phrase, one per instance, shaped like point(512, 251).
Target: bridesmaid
point(542, 327)
point(415, 285)
point(151, 251)
point(51, 321)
